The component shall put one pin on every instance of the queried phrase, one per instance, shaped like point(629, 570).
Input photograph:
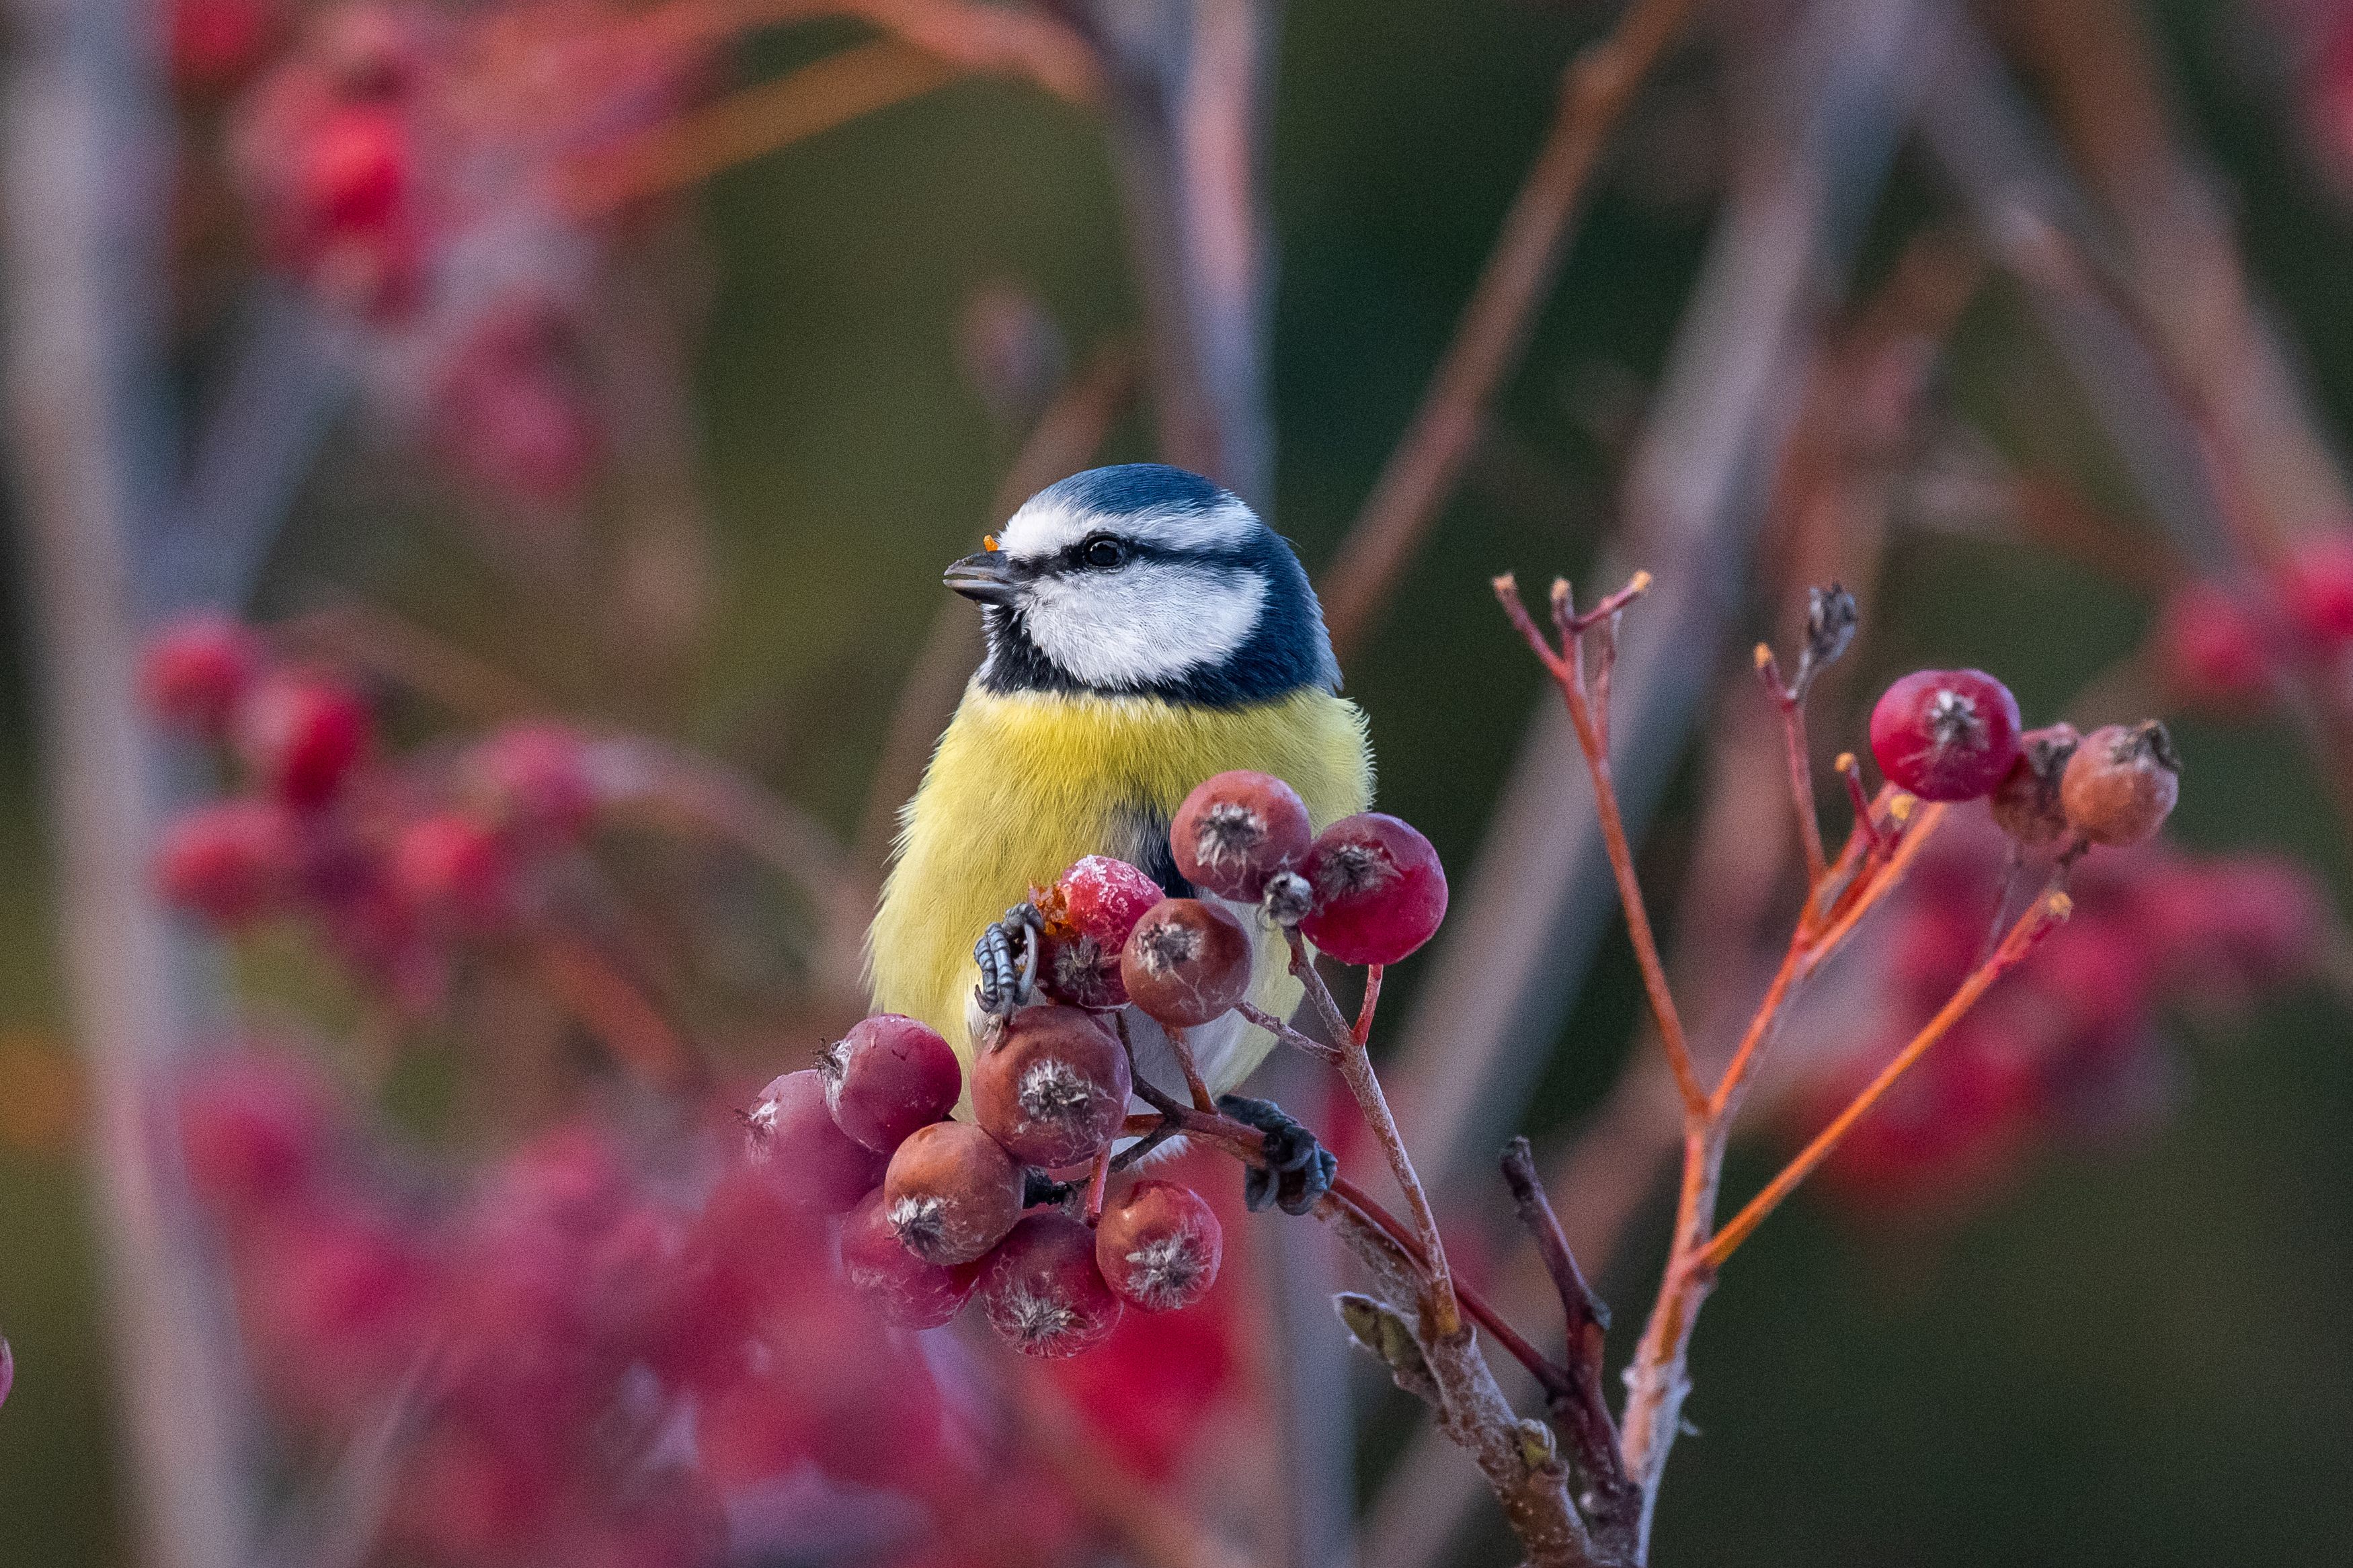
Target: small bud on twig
point(1381, 1332)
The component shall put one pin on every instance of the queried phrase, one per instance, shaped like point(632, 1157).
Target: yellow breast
point(1023, 784)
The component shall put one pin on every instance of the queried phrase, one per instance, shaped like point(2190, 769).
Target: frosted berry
point(1236, 830)
point(2210, 649)
point(1945, 734)
point(2316, 593)
point(1158, 1246)
point(888, 1076)
point(1379, 892)
point(910, 1292)
point(808, 1162)
point(193, 671)
point(232, 862)
point(301, 735)
point(2026, 804)
point(952, 1192)
point(1087, 916)
point(452, 869)
point(1187, 963)
point(1042, 1292)
point(1054, 1088)
point(2121, 783)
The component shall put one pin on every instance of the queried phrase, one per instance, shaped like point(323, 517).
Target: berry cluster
point(2225, 652)
point(937, 1212)
point(396, 865)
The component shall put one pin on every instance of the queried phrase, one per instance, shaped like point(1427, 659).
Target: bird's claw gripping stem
point(1007, 955)
point(1298, 1170)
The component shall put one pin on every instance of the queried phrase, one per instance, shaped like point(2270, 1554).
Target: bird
point(1145, 630)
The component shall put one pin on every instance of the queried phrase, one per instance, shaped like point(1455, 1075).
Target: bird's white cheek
point(1146, 622)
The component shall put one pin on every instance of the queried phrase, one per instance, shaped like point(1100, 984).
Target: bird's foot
point(1008, 955)
point(1298, 1169)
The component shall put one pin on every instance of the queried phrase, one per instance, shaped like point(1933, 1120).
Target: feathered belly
point(1023, 785)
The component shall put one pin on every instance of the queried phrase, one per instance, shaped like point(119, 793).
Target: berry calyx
point(1187, 963)
point(888, 1076)
point(1054, 1088)
point(790, 1138)
point(193, 671)
point(1945, 734)
point(1237, 829)
point(951, 1193)
point(1158, 1246)
point(2026, 804)
point(1042, 1292)
point(1379, 889)
point(910, 1292)
point(2121, 783)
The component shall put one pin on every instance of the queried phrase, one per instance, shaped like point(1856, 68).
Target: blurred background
point(639, 366)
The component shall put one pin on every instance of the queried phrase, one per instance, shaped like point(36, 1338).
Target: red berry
point(253, 1131)
point(354, 171)
point(2026, 805)
point(910, 1292)
point(1379, 892)
point(2318, 591)
point(534, 781)
point(888, 1076)
point(194, 670)
point(952, 1192)
point(2121, 783)
point(1043, 1292)
point(301, 736)
point(1187, 963)
point(453, 869)
point(232, 862)
point(1236, 830)
point(1158, 1246)
point(2210, 649)
point(1088, 914)
point(1945, 734)
point(1054, 1088)
point(214, 42)
point(807, 1160)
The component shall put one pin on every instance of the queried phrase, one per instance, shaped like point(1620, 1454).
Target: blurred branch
point(87, 149)
point(392, 649)
point(1596, 88)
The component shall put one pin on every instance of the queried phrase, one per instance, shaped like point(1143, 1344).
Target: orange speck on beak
point(989, 543)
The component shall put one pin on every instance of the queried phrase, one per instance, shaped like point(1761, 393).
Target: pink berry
point(534, 781)
point(453, 869)
point(1945, 734)
point(807, 1160)
point(1054, 1088)
point(910, 1292)
point(1158, 1246)
point(1088, 914)
point(193, 672)
point(214, 42)
point(1187, 963)
point(2210, 649)
point(1042, 1292)
point(253, 1130)
point(354, 170)
point(302, 735)
point(1379, 889)
point(1237, 829)
point(888, 1076)
point(232, 862)
point(952, 1192)
point(2316, 593)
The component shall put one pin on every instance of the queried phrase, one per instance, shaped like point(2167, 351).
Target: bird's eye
point(1104, 550)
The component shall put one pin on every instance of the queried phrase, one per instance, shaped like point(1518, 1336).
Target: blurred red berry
point(2121, 783)
point(1380, 892)
point(455, 871)
point(253, 1130)
point(193, 671)
point(1186, 961)
point(232, 862)
point(1237, 829)
point(1087, 915)
point(1042, 1292)
point(534, 781)
point(2317, 592)
point(2210, 651)
point(214, 44)
point(301, 736)
point(506, 411)
point(1945, 734)
point(909, 1292)
point(952, 1192)
point(1947, 1132)
point(888, 1076)
point(368, 49)
point(792, 1139)
point(353, 171)
point(1158, 1246)
point(342, 1306)
point(1054, 1088)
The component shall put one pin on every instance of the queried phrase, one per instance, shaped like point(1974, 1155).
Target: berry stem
point(1364, 1029)
point(610, 1004)
point(1182, 1049)
point(1791, 706)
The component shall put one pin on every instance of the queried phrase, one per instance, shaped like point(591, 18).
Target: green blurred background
point(2139, 1356)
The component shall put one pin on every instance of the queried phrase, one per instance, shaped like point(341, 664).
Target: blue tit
point(1144, 630)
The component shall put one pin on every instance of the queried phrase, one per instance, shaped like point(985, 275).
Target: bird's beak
point(987, 578)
